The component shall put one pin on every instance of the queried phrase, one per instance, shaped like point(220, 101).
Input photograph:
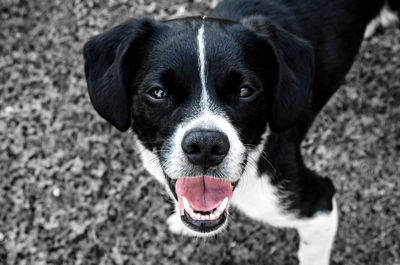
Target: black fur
point(295, 70)
point(394, 5)
point(111, 59)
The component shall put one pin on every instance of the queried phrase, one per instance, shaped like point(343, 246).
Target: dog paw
point(176, 226)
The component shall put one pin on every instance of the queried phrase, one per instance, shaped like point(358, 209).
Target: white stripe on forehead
point(201, 43)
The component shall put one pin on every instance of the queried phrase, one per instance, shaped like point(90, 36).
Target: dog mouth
point(203, 202)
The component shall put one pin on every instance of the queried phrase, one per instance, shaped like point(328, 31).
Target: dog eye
point(245, 92)
point(158, 93)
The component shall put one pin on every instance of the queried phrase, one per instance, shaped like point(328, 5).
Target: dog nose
point(205, 148)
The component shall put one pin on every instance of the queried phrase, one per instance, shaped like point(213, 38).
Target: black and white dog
point(220, 105)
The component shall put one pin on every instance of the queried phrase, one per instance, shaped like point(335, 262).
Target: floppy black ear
point(111, 59)
point(295, 64)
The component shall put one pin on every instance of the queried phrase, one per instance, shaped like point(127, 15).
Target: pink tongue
point(203, 193)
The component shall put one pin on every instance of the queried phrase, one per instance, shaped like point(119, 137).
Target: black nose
point(205, 148)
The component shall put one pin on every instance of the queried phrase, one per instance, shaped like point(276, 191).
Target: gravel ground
point(73, 192)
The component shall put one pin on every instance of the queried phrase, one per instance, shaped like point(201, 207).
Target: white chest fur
point(256, 197)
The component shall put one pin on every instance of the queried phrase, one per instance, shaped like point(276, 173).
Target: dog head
point(199, 94)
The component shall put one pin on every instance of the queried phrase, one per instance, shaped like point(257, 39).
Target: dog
point(220, 104)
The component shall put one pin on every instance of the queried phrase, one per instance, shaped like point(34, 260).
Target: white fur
point(150, 161)
point(177, 162)
point(176, 225)
point(201, 46)
point(256, 197)
point(317, 236)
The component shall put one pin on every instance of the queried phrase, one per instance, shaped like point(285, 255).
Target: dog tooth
point(223, 204)
point(186, 204)
point(212, 216)
point(203, 218)
point(217, 214)
point(198, 216)
point(207, 217)
point(192, 214)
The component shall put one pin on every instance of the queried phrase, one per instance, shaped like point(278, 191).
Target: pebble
point(56, 192)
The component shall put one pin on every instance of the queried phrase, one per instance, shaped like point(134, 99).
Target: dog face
point(199, 94)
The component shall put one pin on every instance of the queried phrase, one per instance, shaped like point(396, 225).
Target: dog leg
point(317, 235)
